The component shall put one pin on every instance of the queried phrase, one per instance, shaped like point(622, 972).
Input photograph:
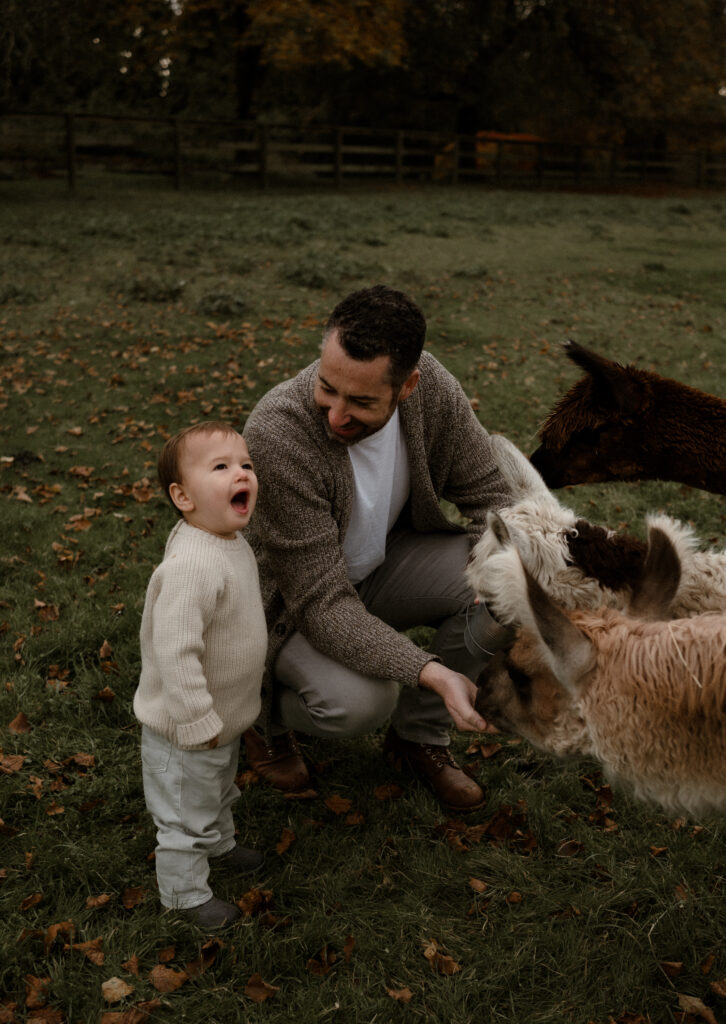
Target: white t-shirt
point(381, 485)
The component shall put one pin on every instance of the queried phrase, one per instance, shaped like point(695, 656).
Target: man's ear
point(180, 498)
point(409, 385)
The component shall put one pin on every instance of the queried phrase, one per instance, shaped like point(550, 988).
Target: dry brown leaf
point(401, 995)
point(19, 724)
point(206, 958)
point(132, 965)
point(116, 989)
point(166, 979)
point(45, 1015)
point(31, 901)
point(62, 928)
point(258, 990)
point(671, 968)
point(690, 1004)
point(477, 885)
point(254, 901)
point(11, 763)
point(287, 838)
point(132, 896)
point(36, 991)
point(719, 988)
point(348, 948)
point(354, 818)
point(438, 961)
point(96, 902)
point(338, 804)
point(106, 650)
point(167, 955)
point(91, 950)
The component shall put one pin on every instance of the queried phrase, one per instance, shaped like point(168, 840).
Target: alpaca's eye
point(522, 683)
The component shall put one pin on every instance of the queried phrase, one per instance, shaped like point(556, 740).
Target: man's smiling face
point(356, 397)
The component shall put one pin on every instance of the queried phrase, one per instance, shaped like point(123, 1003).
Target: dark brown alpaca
point(622, 423)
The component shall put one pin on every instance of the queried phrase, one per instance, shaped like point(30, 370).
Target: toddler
point(203, 646)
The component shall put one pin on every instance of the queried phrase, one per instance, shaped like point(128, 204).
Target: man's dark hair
point(381, 321)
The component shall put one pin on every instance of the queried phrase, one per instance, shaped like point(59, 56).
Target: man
point(353, 455)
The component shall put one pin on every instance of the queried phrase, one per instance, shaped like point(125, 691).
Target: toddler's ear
point(179, 497)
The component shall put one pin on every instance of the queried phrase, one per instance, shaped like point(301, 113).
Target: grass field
point(127, 314)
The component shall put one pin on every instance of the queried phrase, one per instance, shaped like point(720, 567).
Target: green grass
point(127, 314)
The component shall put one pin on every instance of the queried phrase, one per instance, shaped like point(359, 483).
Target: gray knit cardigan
point(304, 507)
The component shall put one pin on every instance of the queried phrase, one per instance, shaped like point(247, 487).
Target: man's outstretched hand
point(458, 694)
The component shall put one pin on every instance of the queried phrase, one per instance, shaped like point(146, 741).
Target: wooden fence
point(194, 151)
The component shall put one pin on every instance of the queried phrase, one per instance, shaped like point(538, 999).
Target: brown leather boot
point(434, 765)
point(279, 762)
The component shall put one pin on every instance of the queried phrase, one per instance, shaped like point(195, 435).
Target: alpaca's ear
point(613, 386)
point(654, 592)
point(499, 528)
point(567, 651)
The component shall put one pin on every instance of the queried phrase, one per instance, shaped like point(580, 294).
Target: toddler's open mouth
point(240, 502)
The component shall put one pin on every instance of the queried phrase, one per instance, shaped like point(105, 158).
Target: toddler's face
point(218, 488)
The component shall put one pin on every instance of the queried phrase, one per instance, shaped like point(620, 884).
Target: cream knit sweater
point(203, 640)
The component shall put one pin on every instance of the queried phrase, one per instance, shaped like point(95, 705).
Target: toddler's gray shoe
point(239, 858)
point(213, 914)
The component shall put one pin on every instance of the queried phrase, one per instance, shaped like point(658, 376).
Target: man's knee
point(350, 713)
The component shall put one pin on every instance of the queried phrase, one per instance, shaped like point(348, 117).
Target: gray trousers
point(420, 583)
point(189, 794)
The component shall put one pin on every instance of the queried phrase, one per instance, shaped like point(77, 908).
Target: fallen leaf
point(338, 804)
point(690, 1004)
point(348, 948)
point(166, 979)
point(258, 990)
point(62, 928)
point(19, 724)
point(205, 959)
point(254, 901)
point(671, 968)
point(11, 763)
point(137, 1014)
point(132, 896)
point(31, 901)
point(132, 965)
point(438, 961)
point(719, 988)
point(116, 989)
point(477, 885)
point(514, 897)
point(354, 818)
point(106, 650)
point(287, 838)
point(401, 995)
point(36, 991)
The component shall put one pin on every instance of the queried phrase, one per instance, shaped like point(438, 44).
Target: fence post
point(264, 141)
point(399, 157)
point(70, 152)
point(177, 154)
point(338, 157)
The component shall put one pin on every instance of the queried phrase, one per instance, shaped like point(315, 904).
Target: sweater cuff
point(193, 734)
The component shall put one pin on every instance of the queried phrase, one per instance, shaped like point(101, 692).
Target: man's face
point(355, 397)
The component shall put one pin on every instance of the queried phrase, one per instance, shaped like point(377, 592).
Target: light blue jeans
point(189, 794)
point(420, 583)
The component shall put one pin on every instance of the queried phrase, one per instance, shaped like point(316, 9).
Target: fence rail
point(190, 151)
